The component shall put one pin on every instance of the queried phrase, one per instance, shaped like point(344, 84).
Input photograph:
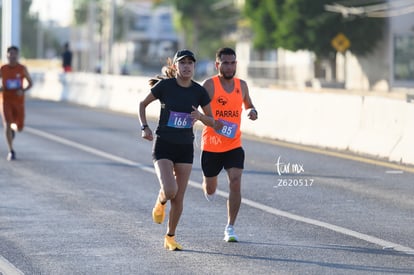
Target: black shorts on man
point(212, 162)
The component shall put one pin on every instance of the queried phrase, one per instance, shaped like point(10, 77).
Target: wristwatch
point(143, 127)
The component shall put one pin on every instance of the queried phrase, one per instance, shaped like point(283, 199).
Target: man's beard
point(228, 77)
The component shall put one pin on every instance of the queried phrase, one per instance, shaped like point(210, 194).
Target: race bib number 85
point(179, 120)
point(229, 129)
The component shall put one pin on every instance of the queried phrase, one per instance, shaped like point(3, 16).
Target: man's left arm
point(247, 101)
point(29, 80)
point(1, 83)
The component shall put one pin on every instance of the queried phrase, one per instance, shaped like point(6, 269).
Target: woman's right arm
point(146, 133)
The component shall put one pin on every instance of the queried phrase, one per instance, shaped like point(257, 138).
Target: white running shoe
point(209, 197)
point(14, 127)
point(229, 235)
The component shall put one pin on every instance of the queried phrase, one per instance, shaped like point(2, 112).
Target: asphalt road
point(78, 200)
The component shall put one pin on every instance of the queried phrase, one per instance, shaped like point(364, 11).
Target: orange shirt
point(12, 81)
point(226, 106)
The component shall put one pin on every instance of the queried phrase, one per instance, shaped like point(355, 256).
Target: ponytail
point(168, 71)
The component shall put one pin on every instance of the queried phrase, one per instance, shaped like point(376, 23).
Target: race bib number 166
point(179, 120)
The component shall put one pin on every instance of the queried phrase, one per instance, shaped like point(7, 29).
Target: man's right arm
point(208, 84)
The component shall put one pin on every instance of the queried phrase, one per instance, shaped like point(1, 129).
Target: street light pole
point(10, 26)
point(108, 34)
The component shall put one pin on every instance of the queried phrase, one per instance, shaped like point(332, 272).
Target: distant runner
point(12, 97)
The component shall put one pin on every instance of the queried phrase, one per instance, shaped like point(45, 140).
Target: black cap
point(182, 54)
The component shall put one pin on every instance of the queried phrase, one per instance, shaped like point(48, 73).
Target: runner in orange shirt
point(12, 96)
point(222, 146)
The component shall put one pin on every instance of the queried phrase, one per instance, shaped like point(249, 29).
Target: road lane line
point(371, 239)
point(6, 268)
point(394, 172)
point(88, 149)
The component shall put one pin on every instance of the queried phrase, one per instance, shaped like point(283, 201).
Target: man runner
point(222, 146)
point(12, 97)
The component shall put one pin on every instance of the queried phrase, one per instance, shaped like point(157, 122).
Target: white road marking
point(394, 172)
point(371, 239)
point(6, 268)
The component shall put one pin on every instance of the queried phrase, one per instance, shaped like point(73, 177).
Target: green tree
point(28, 29)
point(82, 12)
point(205, 25)
point(263, 16)
point(304, 24)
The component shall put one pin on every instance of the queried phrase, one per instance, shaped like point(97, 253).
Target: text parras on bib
point(226, 113)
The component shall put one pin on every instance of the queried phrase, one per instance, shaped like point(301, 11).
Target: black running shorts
point(177, 153)
point(212, 163)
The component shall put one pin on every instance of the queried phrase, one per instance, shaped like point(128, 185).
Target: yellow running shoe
point(171, 244)
point(158, 212)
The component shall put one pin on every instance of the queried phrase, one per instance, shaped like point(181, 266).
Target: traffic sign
point(340, 42)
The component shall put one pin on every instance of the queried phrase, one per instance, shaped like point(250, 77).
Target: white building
point(391, 66)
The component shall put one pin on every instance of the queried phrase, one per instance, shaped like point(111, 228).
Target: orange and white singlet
point(12, 78)
point(227, 107)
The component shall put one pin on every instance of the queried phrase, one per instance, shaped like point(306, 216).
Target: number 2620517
point(294, 182)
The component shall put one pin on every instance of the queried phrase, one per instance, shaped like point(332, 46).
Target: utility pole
point(108, 35)
point(40, 39)
point(92, 51)
point(11, 26)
